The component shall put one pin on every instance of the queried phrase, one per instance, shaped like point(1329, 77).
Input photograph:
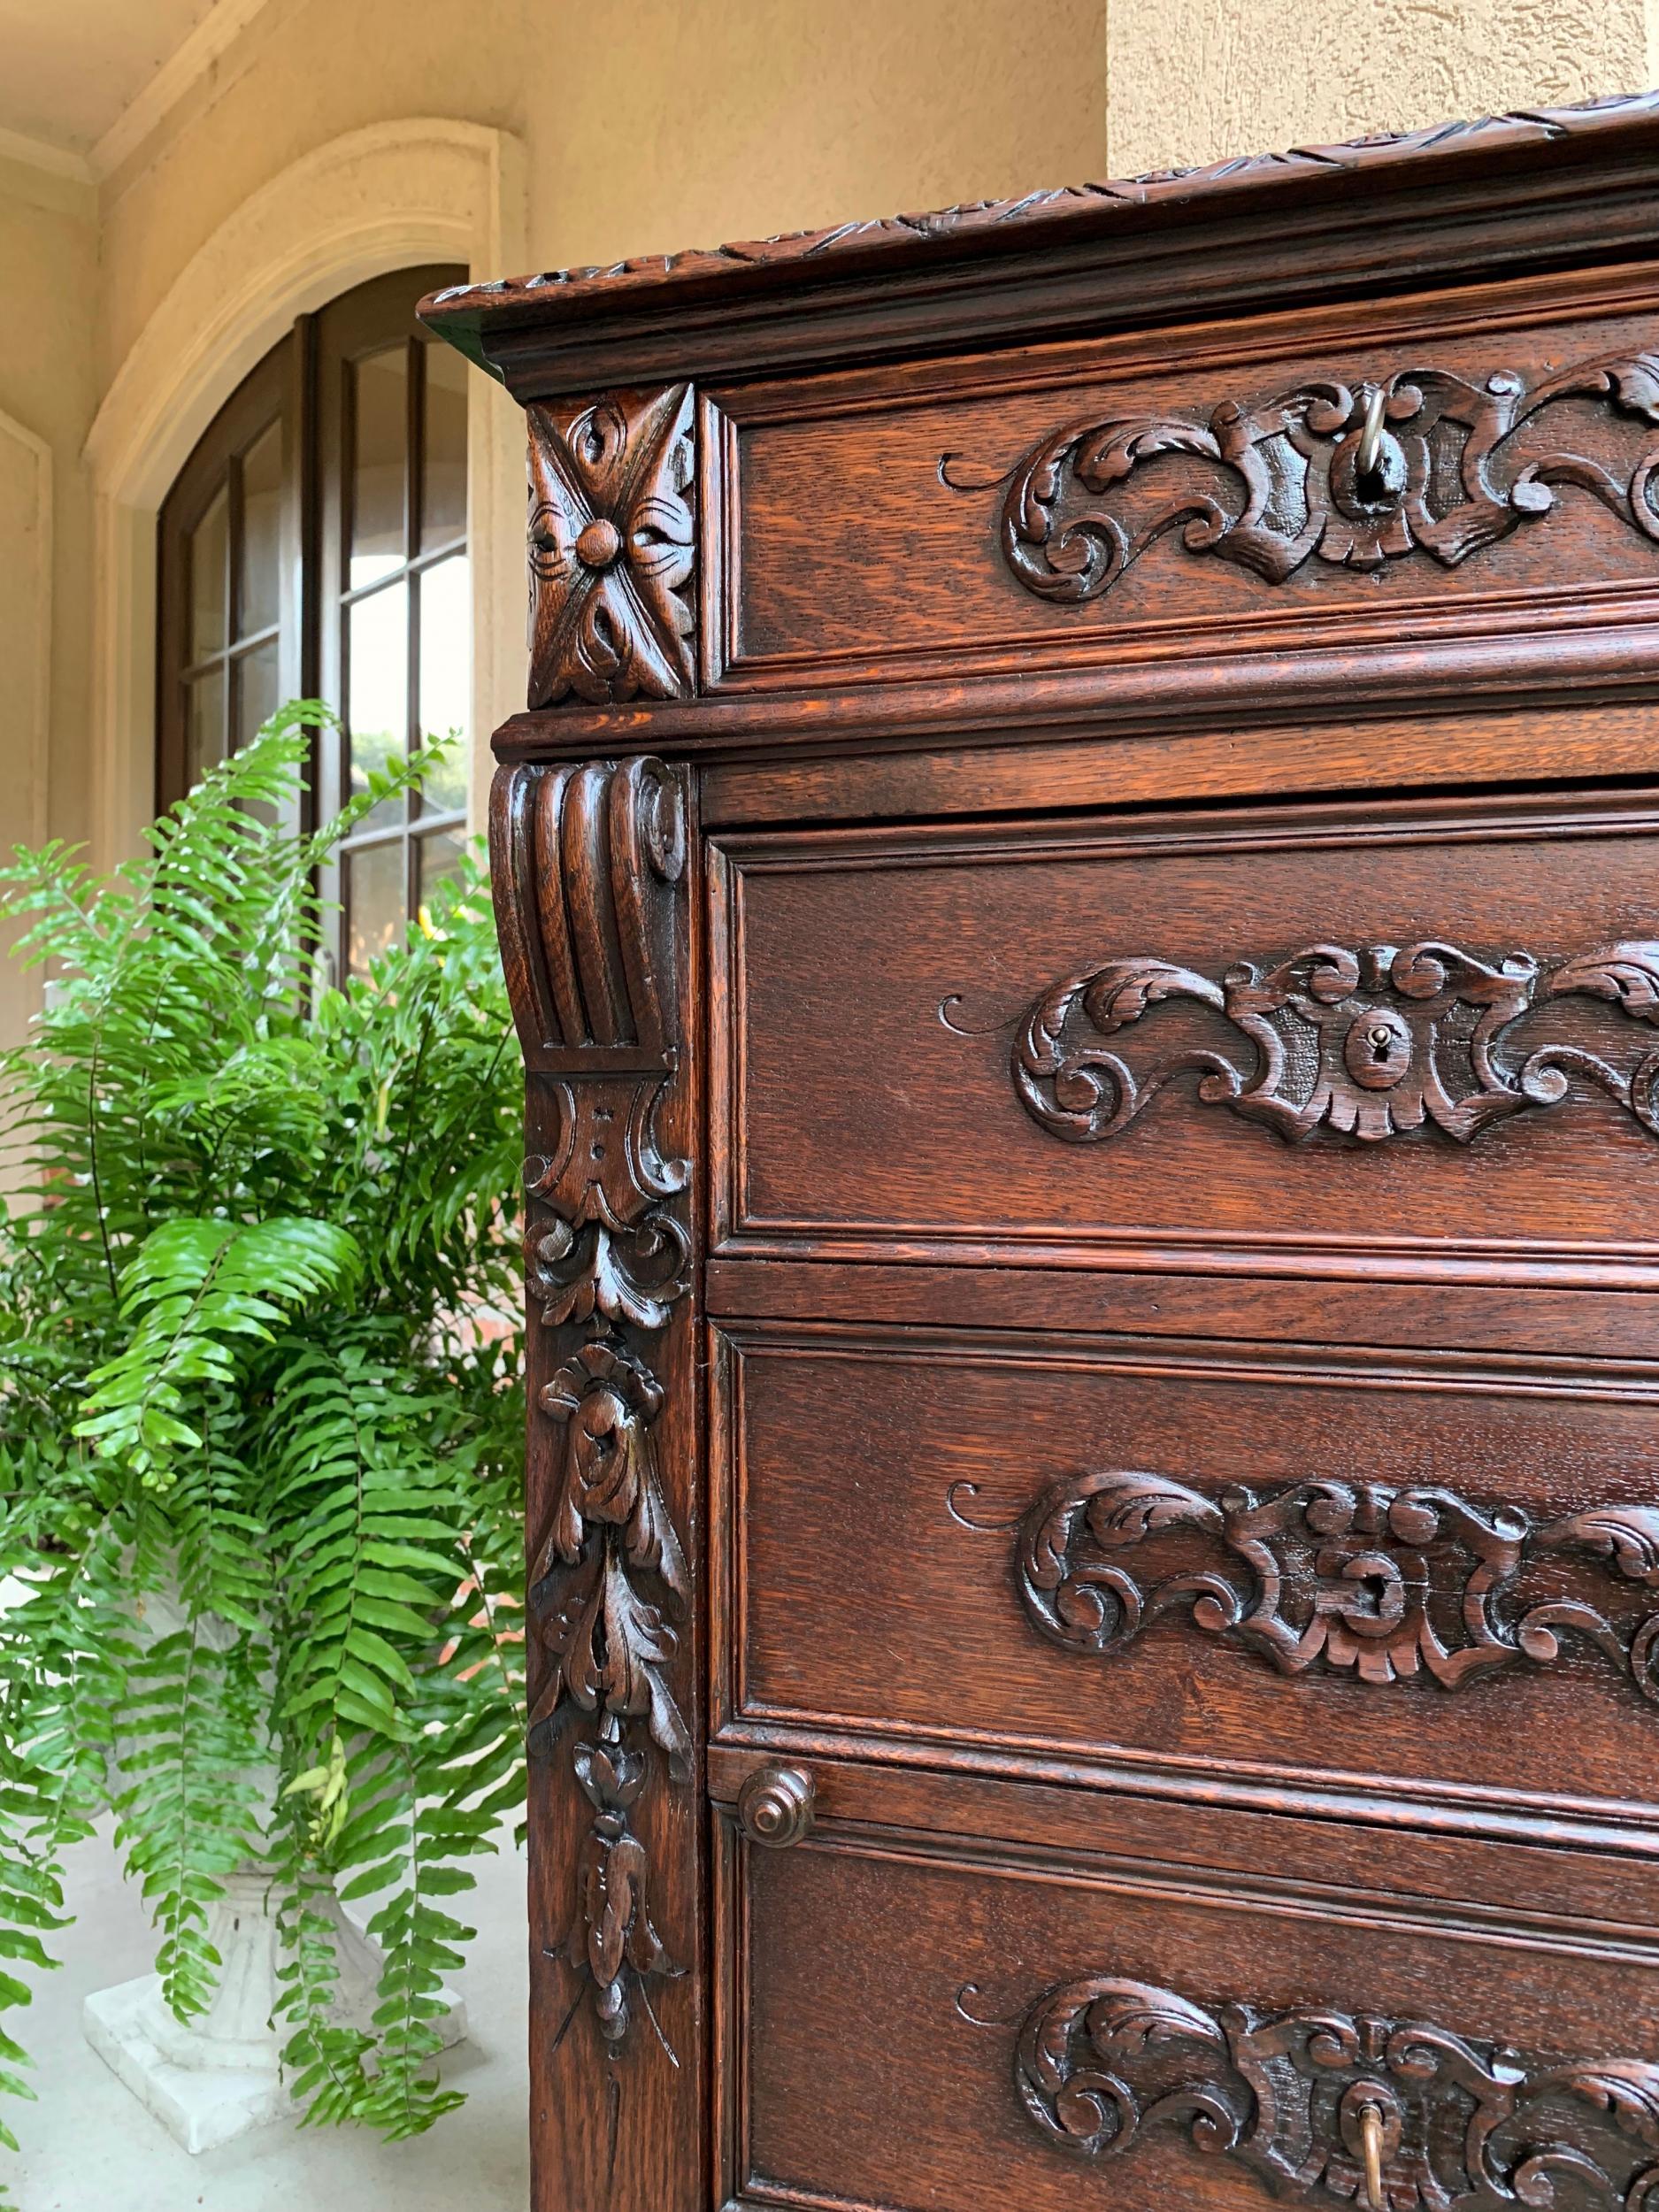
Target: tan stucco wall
point(49, 250)
point(1196, 81)
point(48, 273)
point(647, 124)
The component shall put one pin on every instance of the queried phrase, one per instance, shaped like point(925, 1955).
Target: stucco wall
point(647, 124)
point(48, 264)
point(48, 276)
point(1196, 80)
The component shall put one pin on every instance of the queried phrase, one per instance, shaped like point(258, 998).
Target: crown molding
point(41, 153)
point(218, 31)
point(1456, 203)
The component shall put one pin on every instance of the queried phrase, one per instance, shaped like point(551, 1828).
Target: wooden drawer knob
point(775, 1807)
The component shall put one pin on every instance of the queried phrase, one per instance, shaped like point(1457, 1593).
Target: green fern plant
point(252, 1356)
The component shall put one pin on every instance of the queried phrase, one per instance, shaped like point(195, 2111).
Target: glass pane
point(443, 485)
point(377, 696)
point(262, 533)
point(379, 418)
point(210, 542)
point(257, 699)
point(204, 726)
point(437, 856)
point(445, 675)
point(374, 903)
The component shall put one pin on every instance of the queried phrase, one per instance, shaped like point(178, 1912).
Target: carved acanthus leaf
point(1370, 1041)
point(1420, 461)
point(589, 864)
point(1387, 1585)
point(1455, 2125)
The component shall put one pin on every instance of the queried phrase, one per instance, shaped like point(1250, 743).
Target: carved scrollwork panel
point(1420, 462)
point(1384, 1584)
point(1293, 2095)
point(589, 867)
point(612, 547)
point(1373, 1042)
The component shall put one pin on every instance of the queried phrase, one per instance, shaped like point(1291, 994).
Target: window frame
point(272, 392)
point(359, 324)
point(305, 383)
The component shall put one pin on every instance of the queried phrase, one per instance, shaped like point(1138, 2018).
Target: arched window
point(315, 544)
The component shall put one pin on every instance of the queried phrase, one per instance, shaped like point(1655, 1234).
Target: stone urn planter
point(213, 2078)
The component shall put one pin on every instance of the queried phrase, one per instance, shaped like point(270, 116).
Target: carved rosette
point(1381, 1584)
point(1293, 2096)
point(612, 547)
point(1418, 461)
point(1372, 1042)
point(589, 866)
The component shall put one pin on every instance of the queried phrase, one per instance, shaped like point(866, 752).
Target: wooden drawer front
point(1157, 495)
point(921, 2030)
point(1408, 1029)
point(1212, 1563)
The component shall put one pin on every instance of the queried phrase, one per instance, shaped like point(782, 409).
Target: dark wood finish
point(957, 936)
point(611, 536)
point(593, 870)
point(1078, 886)
point(1185, 492)
point(1226, 1556)
point(1511, 192)
point(971, 1947)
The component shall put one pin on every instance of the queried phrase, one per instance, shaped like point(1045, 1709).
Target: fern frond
point(260, 1416)
point(193, 1289)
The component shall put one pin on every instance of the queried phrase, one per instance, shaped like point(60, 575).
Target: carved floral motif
point(607, 1641)
point(1384, 1584)
point(1373, 1042)
point(1293, 2095)
point(1418, 461)
point(608, 1646)
point(608, 1250)
point(587, 864)
point(612, 548)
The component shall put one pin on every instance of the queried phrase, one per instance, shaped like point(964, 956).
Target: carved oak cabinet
point(1080, 885)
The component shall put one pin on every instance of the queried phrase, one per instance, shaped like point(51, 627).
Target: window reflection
point(209, 574)
point(205, 724)
point(258, 690)
point(262, 534)
point(379, 444)
point(441, 855)
point(403, 606)
point(376, 689)
point(362, 412)
point(375, 902)
point(443, 471)
point(445, 675)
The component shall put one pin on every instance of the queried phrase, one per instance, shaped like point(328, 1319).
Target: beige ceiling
point(69, 67)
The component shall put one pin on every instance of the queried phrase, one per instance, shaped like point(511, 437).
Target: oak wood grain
point(1078, 897)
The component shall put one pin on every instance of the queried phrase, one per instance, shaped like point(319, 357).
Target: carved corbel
point(589, 869)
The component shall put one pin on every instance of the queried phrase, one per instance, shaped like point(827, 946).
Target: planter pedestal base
point(219, 2076)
